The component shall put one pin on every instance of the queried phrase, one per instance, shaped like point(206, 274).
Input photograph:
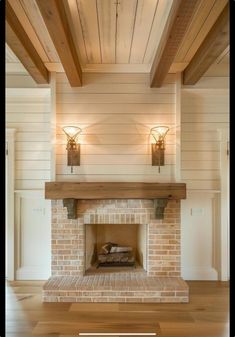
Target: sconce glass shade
point(159, 133)
point(71, 132)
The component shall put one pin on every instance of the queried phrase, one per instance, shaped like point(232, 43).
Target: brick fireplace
point(158, 281)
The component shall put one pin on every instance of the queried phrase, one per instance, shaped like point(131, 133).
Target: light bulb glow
point(159, 133)
point(71, 132)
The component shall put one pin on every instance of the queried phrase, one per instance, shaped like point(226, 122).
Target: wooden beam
point(178, 21)
point(54, 15)
point(216, 41)
point(19, 42)
point(114, 190)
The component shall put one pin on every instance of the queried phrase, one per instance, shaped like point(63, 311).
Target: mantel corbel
point(159, 205)
point(71, 205)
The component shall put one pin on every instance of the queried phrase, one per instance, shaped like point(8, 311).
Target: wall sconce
point(159, 134)
point(73, 148)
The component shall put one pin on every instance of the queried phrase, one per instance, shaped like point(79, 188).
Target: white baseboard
point(32, 273)
point(199, 273)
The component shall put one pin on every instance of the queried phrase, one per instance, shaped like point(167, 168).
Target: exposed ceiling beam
point(216, 41)
point(178, 21)
point(21, 45)
point(54, 15)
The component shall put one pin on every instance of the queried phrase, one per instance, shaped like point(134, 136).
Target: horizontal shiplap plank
point(37, 146)
point(200, 165)
point(33, 136)
point(199, 136)
point(33, 155)
point(116, 178)
point(198, 107)
point(206, 99)
point(115, 139)
point(116, 98)
point(202, 184)
point(115, 88)
point(32, 165)
point(119, 159)
point(115, 149)
point(200, 174)
point(206, 117)
point(202, 126)
point(113, 119)
point(15, 117)
point(200, 146)
point(205, 155)
point(29, 99)
point(130, 78)
point(203, 93)
point(32, 174)
point(29, 126)
point(116, 169)
point(28, 107)
point(118, 108)
point(30, 184)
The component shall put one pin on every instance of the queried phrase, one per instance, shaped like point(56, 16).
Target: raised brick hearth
point(69, 282)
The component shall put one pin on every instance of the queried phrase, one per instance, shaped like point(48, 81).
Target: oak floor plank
point(206, 314)
point(76, 328)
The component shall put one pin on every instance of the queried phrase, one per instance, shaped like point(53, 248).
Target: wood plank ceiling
point(117, 35)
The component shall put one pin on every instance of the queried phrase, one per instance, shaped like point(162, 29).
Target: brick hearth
point(116, 287)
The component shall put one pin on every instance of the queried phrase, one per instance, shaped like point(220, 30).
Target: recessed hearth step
point(116, 287)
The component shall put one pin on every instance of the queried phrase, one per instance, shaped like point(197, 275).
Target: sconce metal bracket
point(74, 156)
point(159, 205)
point(157, 155)
point(71, 205)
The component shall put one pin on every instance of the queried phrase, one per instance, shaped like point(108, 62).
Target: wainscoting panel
point(33, 231)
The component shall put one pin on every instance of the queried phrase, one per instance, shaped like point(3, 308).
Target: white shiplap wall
point(28, 111)
point(115, 113)
point(205, 110)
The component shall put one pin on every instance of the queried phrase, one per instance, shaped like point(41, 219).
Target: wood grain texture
point(206, 315)
point(62, 190)
point(29, 29)
point(216, 41)
point(54, 15)
point(32, 12)
point(22, 46)
point(178, 21)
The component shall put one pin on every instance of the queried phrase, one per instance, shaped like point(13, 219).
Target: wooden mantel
point(71, 192)
point(114, 190)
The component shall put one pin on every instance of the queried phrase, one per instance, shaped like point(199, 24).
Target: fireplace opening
point(110, 247)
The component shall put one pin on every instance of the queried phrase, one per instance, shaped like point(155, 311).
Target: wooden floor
point(206, 315)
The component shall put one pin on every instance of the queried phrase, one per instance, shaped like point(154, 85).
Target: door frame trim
point(10, 230)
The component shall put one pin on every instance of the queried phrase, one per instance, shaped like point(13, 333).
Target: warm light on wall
point(158, 149)
point(73, 148)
